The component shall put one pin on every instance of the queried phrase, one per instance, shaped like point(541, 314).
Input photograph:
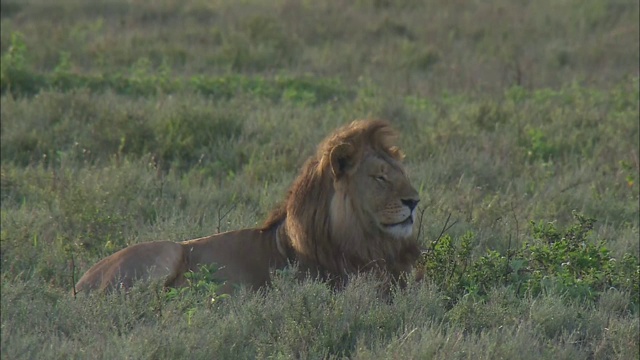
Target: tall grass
point(125, 122)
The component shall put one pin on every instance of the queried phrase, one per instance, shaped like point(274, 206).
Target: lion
point(351, 209)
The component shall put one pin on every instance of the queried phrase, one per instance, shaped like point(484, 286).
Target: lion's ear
point(396, 153)
point(342, 159)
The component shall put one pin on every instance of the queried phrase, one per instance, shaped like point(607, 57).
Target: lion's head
point(352, 208)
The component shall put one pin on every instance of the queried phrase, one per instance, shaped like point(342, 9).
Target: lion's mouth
point(405, 222)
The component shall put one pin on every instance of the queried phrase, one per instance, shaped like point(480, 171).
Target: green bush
point(566, 262)
point(15, 76)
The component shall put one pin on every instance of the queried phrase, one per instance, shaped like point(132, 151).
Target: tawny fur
point(330, 224)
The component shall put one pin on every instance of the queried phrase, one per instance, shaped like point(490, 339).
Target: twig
point(444, 228)
point(221, 217)
point(73, 275)
point(422, 210)
point(515, 217)
point(508, 267)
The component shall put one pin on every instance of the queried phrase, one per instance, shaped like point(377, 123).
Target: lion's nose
point(410, 203)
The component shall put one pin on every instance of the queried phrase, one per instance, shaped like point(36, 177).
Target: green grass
point(125, 122)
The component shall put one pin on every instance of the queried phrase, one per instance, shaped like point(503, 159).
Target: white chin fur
point(402, 231)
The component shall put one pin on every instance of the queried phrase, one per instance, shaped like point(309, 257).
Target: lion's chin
point(401, 230)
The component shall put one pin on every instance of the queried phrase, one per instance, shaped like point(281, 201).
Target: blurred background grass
point(409, 47)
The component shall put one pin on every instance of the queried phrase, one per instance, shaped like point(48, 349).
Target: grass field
point(130, 121)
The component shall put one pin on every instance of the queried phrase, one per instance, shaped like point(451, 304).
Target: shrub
point(559, 261)
point(14, 75)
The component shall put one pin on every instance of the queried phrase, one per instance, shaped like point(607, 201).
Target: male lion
point(350, 210)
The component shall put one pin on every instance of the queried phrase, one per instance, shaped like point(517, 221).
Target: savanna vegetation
point(130, 121)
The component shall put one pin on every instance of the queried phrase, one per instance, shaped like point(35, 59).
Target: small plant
point(201, 283)
point(539, 146)
point(14, 75)
point(628, 170)
point(15, 57)
point(201, 288)
point(62, 76)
